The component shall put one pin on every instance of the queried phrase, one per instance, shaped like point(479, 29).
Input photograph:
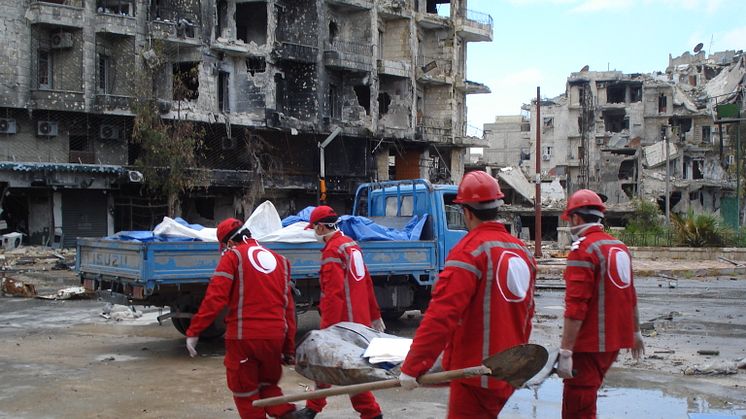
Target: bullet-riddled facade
point(266, 81)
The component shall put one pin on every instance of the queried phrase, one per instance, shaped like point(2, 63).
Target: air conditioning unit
point(7, 126)
point(108, 132)
point(62, 40)
point(47, 128)
point(229, 143)
point(546, 157)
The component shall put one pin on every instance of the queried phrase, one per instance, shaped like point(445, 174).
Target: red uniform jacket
point(600, 291)
point(254, 283)
point(482, 304)
point(346, 288)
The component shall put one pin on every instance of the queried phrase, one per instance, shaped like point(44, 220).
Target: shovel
point(515, 365)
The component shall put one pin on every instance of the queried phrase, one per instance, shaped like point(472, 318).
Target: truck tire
point(216, 329)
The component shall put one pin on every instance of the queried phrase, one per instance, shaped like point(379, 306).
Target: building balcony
point(474, 26)
point(435, 130)
point(434, 70)
point(58, 100)
point(433, 21)
point(469, 141)
point(231, 48)
point(115, 24)
point(291, 51)
point(113, 104)
point(394, 9)
point(82, 157)
point(352, 4)
point(396, 68)
point(472, 88)
point(347, 55)
point(182, 33)
point(59, 13)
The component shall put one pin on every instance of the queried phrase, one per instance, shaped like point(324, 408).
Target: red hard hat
point(476, 187)
point(226, 229)
point(322, 212)
point(583, 198)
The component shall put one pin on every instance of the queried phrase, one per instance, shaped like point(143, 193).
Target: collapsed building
point(265, 80)
point(609, 131)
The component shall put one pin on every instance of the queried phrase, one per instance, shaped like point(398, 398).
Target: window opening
point(615, 94)
point(223, 91)
point(251, 22)
point(116, 7)
point(662, 103)
point(103, 74)
point(384, 101)
point(186, 81)
point(256, 65)
point(335, 110)
point(45, 69)
point(363, 97)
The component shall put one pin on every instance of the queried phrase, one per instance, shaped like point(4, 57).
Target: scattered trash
point(655, 357)
point(712, 369)
point(708, 352)
point(667, 351)
point(741, 365)
point(740, 265)
point(66, 294)
point(119, 312)
point(17, 288)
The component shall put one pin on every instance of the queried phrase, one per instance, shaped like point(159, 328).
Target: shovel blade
point(518, 364)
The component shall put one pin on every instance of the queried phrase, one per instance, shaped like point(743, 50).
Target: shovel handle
point(427, 379)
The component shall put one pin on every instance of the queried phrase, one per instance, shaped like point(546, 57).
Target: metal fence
point(351, 47)
point(668, 238)
point(479, 17)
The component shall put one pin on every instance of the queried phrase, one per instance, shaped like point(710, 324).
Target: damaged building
point(265, 80)
point(609, 130)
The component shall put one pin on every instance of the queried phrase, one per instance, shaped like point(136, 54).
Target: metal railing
point(668, 238)
point(174, 15)
point(351, 47)
point(479, 17)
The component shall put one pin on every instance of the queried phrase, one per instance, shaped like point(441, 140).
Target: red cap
point(227, 229)
point(320, 213)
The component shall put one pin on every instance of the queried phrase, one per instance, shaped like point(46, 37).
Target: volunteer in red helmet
point(254, 283)
point(346, 296)
point(600, 306)
point(482, 304)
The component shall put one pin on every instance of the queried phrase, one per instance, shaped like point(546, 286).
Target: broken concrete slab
point(70, 293)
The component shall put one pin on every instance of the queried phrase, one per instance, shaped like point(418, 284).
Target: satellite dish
point(585, 68)
point(698, 48)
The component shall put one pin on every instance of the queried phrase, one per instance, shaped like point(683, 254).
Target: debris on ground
point(712, 352)
point(723, 368)
point(16, 288)
point(741, 365)
point(66, 294)
point(119, 312)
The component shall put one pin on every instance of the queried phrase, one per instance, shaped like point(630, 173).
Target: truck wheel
point(392, 314)
point(216, 329)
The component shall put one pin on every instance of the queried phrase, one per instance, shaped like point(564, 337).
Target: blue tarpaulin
point(364, 229)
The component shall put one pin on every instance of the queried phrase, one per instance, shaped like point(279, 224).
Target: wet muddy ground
point(60, 359)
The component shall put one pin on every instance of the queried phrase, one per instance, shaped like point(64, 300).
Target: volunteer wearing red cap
point(482, 304)
point(600, 306)
point(346, 296)
point(254, 283)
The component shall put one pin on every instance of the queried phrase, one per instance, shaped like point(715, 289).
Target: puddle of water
point(615, 402)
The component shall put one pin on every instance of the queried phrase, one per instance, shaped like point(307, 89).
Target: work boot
point(378, 417)
point(305, 413)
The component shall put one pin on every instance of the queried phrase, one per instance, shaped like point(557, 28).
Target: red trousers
point(363, 403)
point(470, 402)
point(580, 392)
point(253, 368)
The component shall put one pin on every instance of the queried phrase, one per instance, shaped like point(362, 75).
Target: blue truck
point(176, 274)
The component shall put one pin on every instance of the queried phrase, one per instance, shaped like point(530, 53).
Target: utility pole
point(537, 191)
point(668, 176)
point(322, 164)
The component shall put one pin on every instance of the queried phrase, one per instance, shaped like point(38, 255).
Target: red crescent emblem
point(357, 265)
point(261, 259)
point(619, 267)
point(513, 277)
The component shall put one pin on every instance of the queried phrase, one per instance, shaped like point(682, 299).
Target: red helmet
point(583, 198)
point(227, 229)
point(321, 214)
point(478, 187)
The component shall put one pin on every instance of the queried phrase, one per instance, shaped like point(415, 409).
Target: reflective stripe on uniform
point(602, 296)
point(463, 265)
point(487, 317)
point(332, 260)
point(579, 264)
point(239, 309)
point(345, 280)
point(224, 275)
point(246, 394)
point(285, 295)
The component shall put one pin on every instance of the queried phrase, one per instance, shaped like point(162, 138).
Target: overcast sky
point(540, 42)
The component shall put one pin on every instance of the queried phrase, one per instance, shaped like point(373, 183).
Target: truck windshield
point(454, 213)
